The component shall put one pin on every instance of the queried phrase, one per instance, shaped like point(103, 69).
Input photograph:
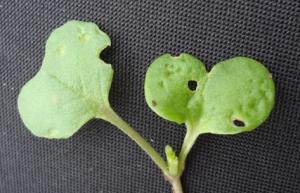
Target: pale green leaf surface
point(166, 88)
point(72, 85)
point(236, 89)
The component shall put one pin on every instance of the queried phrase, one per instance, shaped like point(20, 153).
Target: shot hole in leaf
point(105, 55)
point(192, 84)
point(238, 123)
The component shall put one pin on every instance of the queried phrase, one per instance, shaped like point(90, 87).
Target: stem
point(176, 184)
point(188, 142)
point(114, 119)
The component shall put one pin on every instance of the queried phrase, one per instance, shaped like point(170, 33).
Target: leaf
point(236, 96)
point(72, 85)
point(166, 85)
point(172, 160)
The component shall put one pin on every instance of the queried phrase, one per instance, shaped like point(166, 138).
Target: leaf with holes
point(236, 95)
point(72, 85)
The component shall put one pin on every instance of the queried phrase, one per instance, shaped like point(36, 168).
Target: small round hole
point(192, 84)
point(238, 123)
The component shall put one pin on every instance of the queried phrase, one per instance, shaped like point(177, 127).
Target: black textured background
point(99, 158)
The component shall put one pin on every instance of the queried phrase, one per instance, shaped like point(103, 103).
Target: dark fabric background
point(101, 159)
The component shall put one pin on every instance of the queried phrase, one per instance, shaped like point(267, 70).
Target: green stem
point(176, 184)
point(114, 119)
point(188, 142)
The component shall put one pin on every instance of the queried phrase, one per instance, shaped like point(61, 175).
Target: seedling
point(237, 95)
point(73, 85)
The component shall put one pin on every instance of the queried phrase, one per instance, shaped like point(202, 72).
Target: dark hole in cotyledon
point(238, 123)
point(105, 54)
point(192, 84)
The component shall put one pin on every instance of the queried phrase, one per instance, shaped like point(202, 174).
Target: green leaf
point(236, 96)
point(72, 85)
point(166, 85)
point(172, 160)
